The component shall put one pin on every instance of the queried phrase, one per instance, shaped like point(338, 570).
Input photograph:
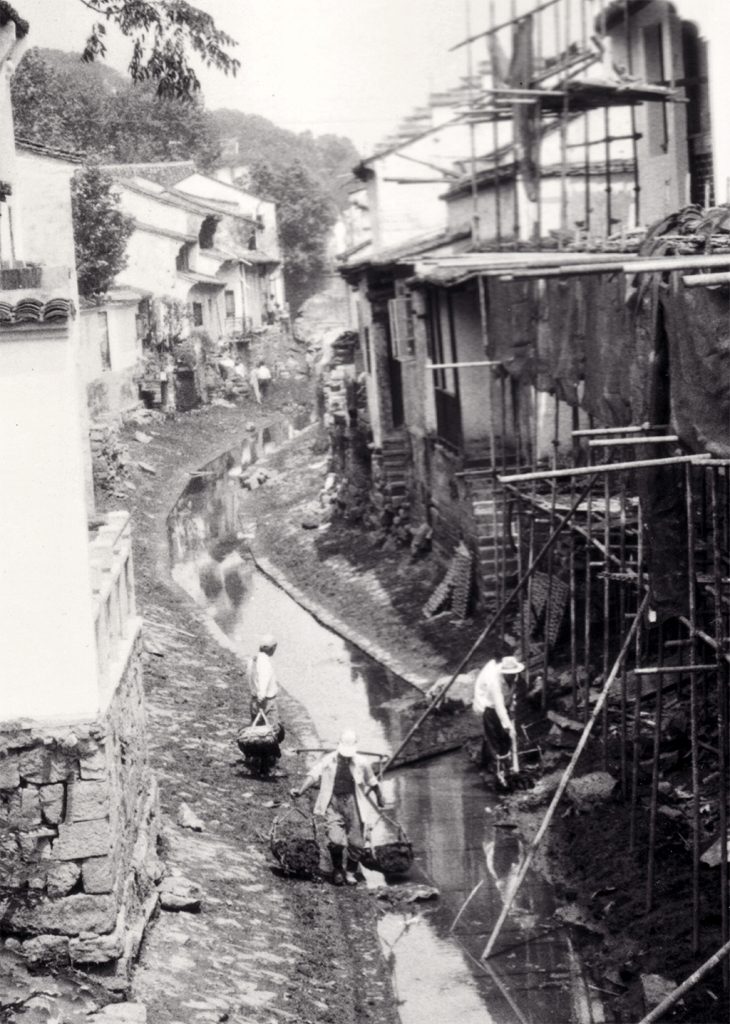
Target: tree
point(101, 231)
point(162, 33)
point(61, 102)
point(306, 214)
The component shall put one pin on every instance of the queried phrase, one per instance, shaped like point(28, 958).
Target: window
point(197, 314)
point(182, 261)
point(207, 232)
point(230, 303)
point(445, 380)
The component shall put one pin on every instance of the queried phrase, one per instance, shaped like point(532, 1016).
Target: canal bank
point(460, 846)
point(262, 948)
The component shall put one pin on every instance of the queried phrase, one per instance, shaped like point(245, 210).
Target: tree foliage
point(163, 34)
point(61, 102)
point(101, 231)
point(306, 215)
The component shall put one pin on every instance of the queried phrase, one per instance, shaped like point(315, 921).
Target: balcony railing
point(112, 582)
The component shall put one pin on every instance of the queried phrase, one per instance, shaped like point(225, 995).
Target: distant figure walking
point(263, 376)
point(263, 683)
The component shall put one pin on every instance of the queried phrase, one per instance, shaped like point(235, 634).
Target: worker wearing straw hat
point(494, 695)
point(346, 781)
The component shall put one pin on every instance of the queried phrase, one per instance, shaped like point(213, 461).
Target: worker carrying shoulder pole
point(346, 782)
point(494, 700)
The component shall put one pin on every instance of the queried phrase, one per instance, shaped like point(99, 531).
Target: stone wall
point(78, 836)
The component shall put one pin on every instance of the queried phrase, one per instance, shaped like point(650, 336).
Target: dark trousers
point(344, 832)
point(496, 741)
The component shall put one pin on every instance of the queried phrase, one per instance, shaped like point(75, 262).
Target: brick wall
point(78, 831)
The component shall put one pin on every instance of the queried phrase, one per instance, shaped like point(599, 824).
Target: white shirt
point(262, 679)
point(263, 373)
point(489, 692)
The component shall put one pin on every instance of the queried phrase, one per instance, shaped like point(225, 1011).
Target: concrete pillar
point(49, 650)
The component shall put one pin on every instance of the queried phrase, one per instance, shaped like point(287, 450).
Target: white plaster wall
point(124, 346)
point(45, 228)
point(474, 381)
point(151, 264)
point(49, 651)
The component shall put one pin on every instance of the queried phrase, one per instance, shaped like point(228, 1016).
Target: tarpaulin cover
point(512, 311)
point(698, 328)
point(608, 349)
point(661, 492)
point(561, 339)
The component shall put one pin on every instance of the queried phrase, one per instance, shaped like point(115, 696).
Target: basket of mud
point(388, 849)
point(295, 844)
point(260, 737)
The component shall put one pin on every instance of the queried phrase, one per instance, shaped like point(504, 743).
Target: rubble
point(186, 818)
point(179, 893)
point(585, 791)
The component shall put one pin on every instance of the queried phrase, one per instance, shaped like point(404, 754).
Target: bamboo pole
point(654, 792)
point(611, 467)
point(692, 597)
point(622, 613)
point(722, 721)
point(495, 144)
point(606, 611)
point(706, 280)
point(490, 625)
point(573, 619)
point(505, 24)
point(673, 998)
point(530, 852)
point(601, 442)
point(663, 670)
point(636, 733)
point(634, 429)
point(548, 602)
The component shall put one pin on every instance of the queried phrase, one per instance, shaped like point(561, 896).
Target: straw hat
point(347, 746)
point(510, 666)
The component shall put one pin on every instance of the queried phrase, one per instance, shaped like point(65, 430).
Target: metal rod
point(573, 619)
point(600, 442)
point(587, 603)
point(599, 142)
point(691, 593)
point(609, 186)
point(549, 596)
point(634, 147)
point(612, 467)
point(537, 839)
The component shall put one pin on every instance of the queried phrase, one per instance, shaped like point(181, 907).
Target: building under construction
point(547, 388)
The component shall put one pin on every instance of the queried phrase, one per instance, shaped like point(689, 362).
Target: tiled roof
point(257, 256)
point(31, 310)
point(8, 13)
point(43, 149)
point(166, 173)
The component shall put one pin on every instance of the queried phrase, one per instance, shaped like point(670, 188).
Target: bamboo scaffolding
point(622, 264)
point(573, 619)
point(505, 24)
point(537, 839)
point(663, 670)
point(636, 731)
point(488, 629)
point(611, 467)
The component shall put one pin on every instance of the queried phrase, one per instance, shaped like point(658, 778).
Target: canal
point(437, 973)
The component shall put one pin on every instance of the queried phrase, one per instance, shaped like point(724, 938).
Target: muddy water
point(443, 805)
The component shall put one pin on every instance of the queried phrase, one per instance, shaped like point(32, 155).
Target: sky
point(348, 67)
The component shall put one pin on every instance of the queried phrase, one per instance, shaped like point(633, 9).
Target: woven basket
point(259, 737)
point(294, 842)
point(393, 854)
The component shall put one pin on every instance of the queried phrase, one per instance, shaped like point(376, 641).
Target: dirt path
point(264, 948)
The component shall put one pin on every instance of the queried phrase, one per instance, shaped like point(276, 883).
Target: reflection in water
point(442, 803)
